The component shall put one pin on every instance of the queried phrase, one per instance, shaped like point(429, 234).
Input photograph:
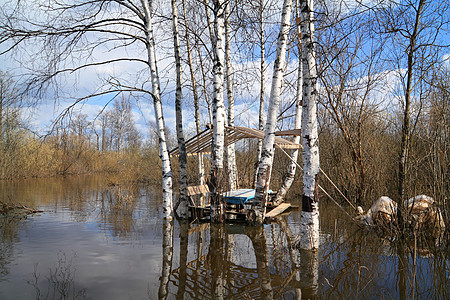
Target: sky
point(89, 81)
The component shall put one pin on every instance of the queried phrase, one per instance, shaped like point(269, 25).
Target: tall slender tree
point(156, 94)
point(182, 158)
point(218, 112)
point(65, 38)
point(406, 126)
point(265, 164)
point(292, 167)
point(231, 152)
point(309, 227)
point(262, 83)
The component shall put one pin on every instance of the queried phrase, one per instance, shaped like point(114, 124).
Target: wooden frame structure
point(201, 143)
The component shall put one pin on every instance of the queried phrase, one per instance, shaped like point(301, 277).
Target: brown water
point(89, 245)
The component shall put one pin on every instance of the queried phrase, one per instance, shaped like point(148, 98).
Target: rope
point(321, 188)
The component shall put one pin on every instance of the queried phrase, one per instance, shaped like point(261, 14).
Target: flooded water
point(94, 241)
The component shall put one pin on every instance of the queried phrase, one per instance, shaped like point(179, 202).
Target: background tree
point(413, 29)
point(10, 121)
point(182, 157)
point(350, 73)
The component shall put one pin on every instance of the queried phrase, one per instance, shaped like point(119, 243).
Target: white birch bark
point(262, 89)
point(231, 153)
point(218, 111)
point(200, 166)
point(286, 185)
point(182, 158)
point(309, 227)
point(265, 164)
point(156, 93)
point(167, 255)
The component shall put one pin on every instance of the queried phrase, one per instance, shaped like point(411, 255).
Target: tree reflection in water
point(167, 248)
point(242, 262)
point(235, 266)
point(199, 261)
point(9, 229)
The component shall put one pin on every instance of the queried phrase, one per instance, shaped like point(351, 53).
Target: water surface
point(95, 241)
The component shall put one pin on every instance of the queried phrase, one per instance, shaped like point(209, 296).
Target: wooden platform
point(278, 210)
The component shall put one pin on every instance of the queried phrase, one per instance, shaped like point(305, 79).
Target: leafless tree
point(63, 37)
point(265, 164)
point(414, 31)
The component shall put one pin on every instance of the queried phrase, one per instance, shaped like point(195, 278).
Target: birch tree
point(59, 39)
point(182, 158)
point(156, 94)
point(262, 83)
point(218, 112)
point(309, 227)
point(231, 153)
point(292, 167)
point(265, 164)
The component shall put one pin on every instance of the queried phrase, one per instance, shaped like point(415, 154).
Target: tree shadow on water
point(60, 281)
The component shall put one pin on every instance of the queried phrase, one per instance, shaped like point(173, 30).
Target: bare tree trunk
point(210, 23)
point(218, 111)
point(265, 164)
point(262, 86)
point(231, 153)
point(203, 76)
point(402, 166)
point(156, 93)
point(200, 167)
point(309, 227)
point(182, 158)
point(286, 185)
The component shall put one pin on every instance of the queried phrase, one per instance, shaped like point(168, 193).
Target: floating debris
point(16, 210)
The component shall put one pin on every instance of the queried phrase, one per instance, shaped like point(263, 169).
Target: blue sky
point(90, 81)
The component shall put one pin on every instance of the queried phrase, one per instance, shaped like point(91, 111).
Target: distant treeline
point(360, 153)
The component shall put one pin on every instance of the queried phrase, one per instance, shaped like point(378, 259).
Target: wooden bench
point(198, 194)
point(197, 190)
point(198, 198)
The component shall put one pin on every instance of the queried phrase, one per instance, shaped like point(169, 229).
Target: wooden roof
point(201, 143)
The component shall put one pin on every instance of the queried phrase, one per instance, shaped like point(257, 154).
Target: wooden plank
point(201, 143)
point(278, 210)
point(294, 132)
point(198, 189)
point(290, 146)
